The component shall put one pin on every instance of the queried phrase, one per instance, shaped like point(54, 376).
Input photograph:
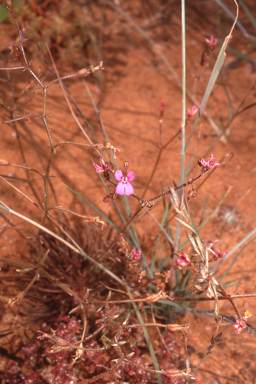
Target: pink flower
point(218, 254)
point(124, 187)
point(239, 326)
point(102, 168)
point(208, 164)
point(183, 261)
point(136, 255)
point(191, 112)
point(211, 42)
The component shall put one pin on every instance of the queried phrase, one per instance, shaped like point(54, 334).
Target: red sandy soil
point(134, 83)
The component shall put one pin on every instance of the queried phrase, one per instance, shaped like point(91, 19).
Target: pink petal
point(128, 188)
point(204, 163)
point(98, 168)
point(118, 176)
point(120, 190)
point(130, 176)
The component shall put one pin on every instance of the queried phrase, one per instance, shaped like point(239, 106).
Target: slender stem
point(161, 149)
point(183, 100)
point(153, 172)
point(129, 222)
point(176, 299)
point(183, 110)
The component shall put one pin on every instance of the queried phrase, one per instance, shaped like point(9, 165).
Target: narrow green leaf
point(204, 209)
point(232, 281)
point(234, 249)
point(233, 17)
point(248, 13)
point(214, 75)
point(240, 54)
point(148, 340)
point(236, 257)
point(171, 304)
point(235, 285)
point(215, 209)
point(93, 207)
point(161, 256)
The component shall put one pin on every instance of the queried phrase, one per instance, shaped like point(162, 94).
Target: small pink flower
point(191, 112)
point(212, 41)
point(208, 164)
point(218, 254)
point(102, 168)
point(183, 261)
point(124, 187)
point(136, 255)
point(239, 326)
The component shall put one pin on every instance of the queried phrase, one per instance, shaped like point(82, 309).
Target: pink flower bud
point(191, 112)
point(211, 42)
point(183, 261)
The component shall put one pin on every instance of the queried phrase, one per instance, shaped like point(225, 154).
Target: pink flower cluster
point(239, 326)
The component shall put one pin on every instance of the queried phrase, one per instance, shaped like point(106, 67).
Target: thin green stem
point(183, 99)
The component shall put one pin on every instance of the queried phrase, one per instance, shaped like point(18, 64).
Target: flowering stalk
point(124, 187)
